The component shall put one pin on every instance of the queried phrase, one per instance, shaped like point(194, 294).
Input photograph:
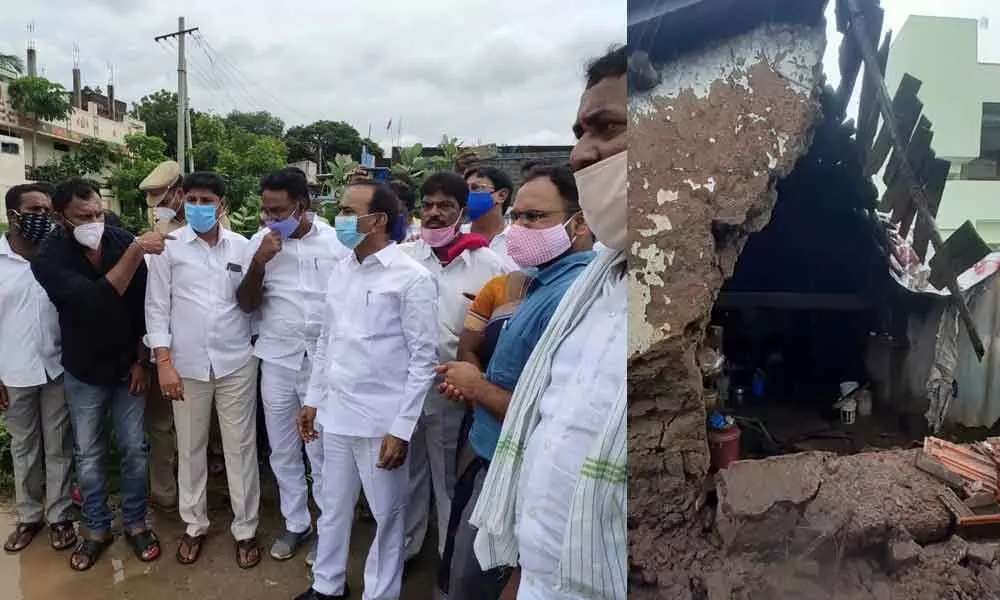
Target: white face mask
point(164, 214)
point(89, 234)
point(604, 199)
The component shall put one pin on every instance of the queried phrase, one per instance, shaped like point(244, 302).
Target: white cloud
point(476, 69)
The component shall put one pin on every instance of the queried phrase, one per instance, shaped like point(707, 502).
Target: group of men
point(479, 368)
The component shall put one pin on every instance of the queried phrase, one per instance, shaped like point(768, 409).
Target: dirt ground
point(818, 526)
point(39, 573)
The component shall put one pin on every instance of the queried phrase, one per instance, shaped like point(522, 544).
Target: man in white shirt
point(287, 266)
point(462, 264)
point(31, 387)
point(201, 341)
point(492, 195)
point(374, 363)
point(554, 499)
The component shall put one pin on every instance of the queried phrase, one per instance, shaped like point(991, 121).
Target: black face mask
point(34, 226)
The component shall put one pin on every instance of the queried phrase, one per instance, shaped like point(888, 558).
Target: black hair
point(290, 180)
point(561, 176)
point(446, 183)
point(384, 201)
point(111, 218)
point(205, 180)
point(15, 194)
point(404, 191)
point(613, 64)
point(77, 187)
point(499, 179)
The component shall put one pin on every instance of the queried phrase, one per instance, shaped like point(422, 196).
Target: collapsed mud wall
point(706, 146)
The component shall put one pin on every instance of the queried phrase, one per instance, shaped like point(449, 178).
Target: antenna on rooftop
point(76, 55)
point(984, 23)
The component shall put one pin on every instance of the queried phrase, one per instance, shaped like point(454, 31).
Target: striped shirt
point(567, 529)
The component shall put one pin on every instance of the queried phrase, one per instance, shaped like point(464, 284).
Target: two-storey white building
point(961, 96)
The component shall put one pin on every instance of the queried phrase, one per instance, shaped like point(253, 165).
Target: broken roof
point(666, 28)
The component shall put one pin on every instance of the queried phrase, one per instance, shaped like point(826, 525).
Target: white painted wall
point(943, 53)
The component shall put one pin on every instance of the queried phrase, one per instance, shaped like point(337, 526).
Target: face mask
point(533, 247)
point(604, 199)
point(436, 238)
point(201, 217)
point(89, 234)
point(284, 227)
point(347, 231)
point(164, 214)
point(479, 204)
point(399, 230)
point(34, 226)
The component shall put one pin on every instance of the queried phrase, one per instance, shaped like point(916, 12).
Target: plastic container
point(849, 412)
point(847, 388)
point(723, 446)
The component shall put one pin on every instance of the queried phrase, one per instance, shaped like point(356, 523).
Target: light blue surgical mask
point(347, 231)
point(201, 217)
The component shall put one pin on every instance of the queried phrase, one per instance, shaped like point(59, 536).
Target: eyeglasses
point(532, 216)
point(475, 187)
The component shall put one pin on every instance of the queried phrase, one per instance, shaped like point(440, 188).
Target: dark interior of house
point(807, 293)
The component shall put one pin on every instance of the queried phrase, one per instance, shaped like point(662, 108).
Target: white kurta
point(434, 445)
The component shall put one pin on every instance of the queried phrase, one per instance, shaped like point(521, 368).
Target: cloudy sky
point(482, 70)
point(506, 72)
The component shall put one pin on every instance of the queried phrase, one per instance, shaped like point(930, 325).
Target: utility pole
point(182, 99)
point(187, 137)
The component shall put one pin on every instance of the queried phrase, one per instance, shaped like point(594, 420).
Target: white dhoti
point(235, 400)
point(349, 465)
point(283, 390)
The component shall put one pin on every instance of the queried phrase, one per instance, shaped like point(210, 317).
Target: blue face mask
point(399, 230)
point(284, 227)
point(479, 204)
point(201, 217)
point(347, 231)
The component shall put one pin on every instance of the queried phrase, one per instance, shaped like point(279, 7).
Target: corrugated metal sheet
point(978, 401)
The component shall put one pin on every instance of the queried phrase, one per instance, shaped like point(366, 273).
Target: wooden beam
point(870, 60)
point(906, 109)
point(935, 177)
point(868, 104)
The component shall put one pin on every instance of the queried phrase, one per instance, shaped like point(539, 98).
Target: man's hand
point(306, 422)
point(138, 379)
point(393, 453)
point(170, 381)
point(4, 398)
point(153, 242)
point(462, 380)
point(270, 246)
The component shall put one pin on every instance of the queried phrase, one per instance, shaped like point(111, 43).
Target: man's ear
point(502, 196)
point(580, 227)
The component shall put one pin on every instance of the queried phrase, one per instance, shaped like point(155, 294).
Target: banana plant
point(246, 219)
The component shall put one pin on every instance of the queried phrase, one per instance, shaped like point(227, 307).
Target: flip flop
point(22, 536)
point(92, 550)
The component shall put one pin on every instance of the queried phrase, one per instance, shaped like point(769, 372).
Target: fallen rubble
point(816, 526)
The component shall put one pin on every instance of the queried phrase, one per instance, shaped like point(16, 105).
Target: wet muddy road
point(39, 573)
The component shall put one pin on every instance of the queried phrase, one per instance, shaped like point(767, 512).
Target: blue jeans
point(89, 406)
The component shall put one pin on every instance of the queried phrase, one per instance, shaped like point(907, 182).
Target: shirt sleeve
point(317, 391)
point(158, 302)
point(73, 292)
point(487, 301)
point(420, 329)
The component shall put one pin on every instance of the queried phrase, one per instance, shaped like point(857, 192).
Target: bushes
point(6, 461)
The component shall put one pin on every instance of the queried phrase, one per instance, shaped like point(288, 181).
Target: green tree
point(260, 122)
point(159, 112)
point(323, 140)
point(142, 154)
point(42, 100)
point(89, 159)
point(11, 63)
point(240, 156)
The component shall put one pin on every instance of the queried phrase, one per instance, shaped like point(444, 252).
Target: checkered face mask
point(533, 247)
